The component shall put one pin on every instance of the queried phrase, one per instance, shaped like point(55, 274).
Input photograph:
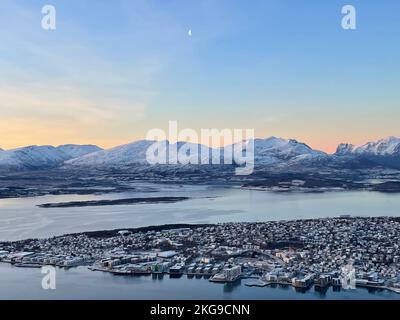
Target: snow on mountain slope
point(32, 157)
point(267, 151)
point(75, 151)
point(384, 153)
point(383, 147)
point(135, 153)
point(283, 148)
point(388, 146)
point(345, 149)
point(41, 157)
point(275, 150)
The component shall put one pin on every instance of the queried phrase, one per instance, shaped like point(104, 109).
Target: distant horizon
point(143, 139)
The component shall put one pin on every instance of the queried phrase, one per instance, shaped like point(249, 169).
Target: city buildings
point(300, 253)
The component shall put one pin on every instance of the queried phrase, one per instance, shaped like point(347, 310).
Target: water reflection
point(231, 286)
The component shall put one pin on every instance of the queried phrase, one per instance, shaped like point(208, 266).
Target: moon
point(190, 33)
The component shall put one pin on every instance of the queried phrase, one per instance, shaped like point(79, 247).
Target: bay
point(20, 218)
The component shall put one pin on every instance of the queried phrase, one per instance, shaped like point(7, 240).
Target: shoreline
point(160, 227)
point(82, 283)
point(384, 187)
point(313, 292)
point(114, 231)
point(273, 257)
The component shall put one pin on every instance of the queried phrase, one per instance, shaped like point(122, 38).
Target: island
point(114, 202)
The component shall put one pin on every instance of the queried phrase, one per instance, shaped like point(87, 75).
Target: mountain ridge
point(38, 157)
point(273, 152)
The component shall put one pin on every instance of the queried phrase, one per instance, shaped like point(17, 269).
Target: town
point(299, 253)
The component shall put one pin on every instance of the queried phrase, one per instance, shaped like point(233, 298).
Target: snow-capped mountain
point(32, 157)
point(345, 149)
point(384, 153)
point(75, 150)
point(38, 157)
point(269, 153)
point(135, 153)
point(278, 149)
point(384, 147)
point(126, 154)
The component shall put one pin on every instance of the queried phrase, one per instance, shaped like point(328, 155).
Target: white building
point(232, 273)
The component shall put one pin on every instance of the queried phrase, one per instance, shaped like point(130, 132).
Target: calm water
point(21, 218)
point(80, 283)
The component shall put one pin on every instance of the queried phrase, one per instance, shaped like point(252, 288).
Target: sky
point(113, 70)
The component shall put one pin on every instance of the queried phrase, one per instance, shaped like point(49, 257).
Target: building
point(323, 280)
point(304, 282)
point(177, 269)
point(232, 273)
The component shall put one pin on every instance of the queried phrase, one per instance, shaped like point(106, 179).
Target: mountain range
point(42, 157)
point(271, 152)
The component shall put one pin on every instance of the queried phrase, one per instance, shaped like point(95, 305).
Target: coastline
point(273, 263)
point(81, 283)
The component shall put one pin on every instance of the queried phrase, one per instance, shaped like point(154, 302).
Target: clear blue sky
point(115, 69)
